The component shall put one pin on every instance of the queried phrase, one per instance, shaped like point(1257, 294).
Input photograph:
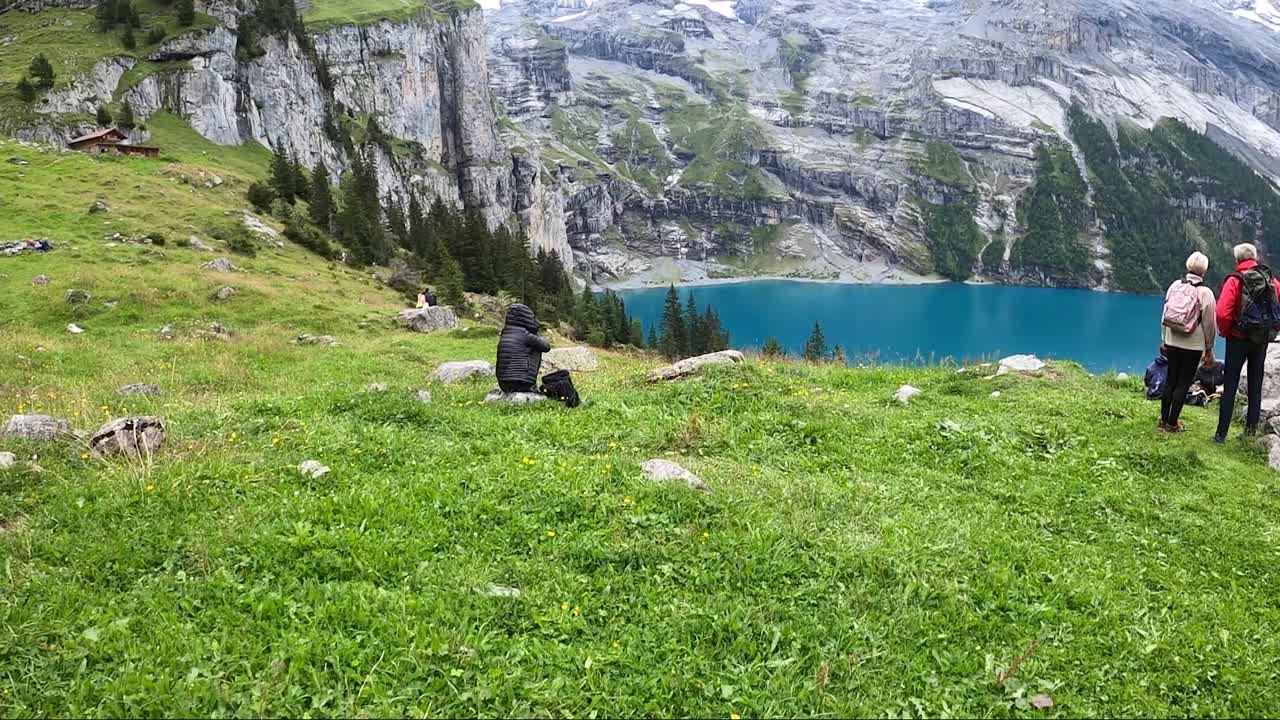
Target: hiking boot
point(1219, 439)
point(1250, 432)
point(1175, 428)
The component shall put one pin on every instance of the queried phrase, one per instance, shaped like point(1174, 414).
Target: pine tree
point(450, 280)
point(26, 91)
point(301, 188)
point(321, 199)
point(282, 176)
point(186, 12)
point(815, 349)
point(104, 116)
point(105, 15)
point(396, 223)
point(636, 338)
point(697, 336)
point(135, 20)
point(675, 338)
point(652, 342)
point(585, 315)
point(838, 357)
point(127, 39)
point(419, 232)
point(127, 121)
point(773, 349)
point(42, 72)
point(123, 10)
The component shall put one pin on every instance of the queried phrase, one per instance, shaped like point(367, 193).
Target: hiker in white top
point(1189, 330)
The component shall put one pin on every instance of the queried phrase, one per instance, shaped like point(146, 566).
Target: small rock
point(36, 427)
point(1122, 377)
point(995, 394)
point(375, 388)
point(220, 265)
point(75, 296)
point(142, 435)
point(327, 340)
point(40, 280)
point(504, 591)
point(224, 294)
point(424, 396)
point(905, 393)
point(216, 180)
point(666, 471)
point(98, 206)
point(18, 161)
point(687, 367)
point(198, 244)
point(313, 469)
point(258, 227)
point(7, 460)
point(497, 396)
point(138, 389)
point(451, 373)
point(1041, 702)
point(74, 329)
point(573, 359)
point(1020, 364)
point(429, 319)
point(216, 331)
point(166, 332)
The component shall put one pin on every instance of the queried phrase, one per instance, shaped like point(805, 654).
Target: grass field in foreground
point(857, 557)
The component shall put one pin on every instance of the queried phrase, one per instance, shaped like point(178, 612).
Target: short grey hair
point(1197, 264)
point(1246, 251)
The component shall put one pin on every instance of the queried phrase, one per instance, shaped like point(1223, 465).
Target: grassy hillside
point(856, 556)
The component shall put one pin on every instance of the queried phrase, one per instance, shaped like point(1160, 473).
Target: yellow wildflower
point(84, 456)
point(613, 444)
point(735, 716)
point(150, 488)
point(564, 606)
point(616, 646)
point(576, 611)
point(627, 500)
point(551, 533)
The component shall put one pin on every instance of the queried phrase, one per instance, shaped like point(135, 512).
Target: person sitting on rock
point(520, 351)
point(426, 298)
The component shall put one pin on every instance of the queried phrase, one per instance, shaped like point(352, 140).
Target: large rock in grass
point(1272, 445)
point(141, 435)
point(76, 296)
point(573, 359)
point(138, 389)
point(1270, 386)
point(36, 427)
point(667, 471)
point(517, 398)
point(219, 265)
point(7, 460)
point(1025, 364)
point(905, 393)
point(693, 365)
point(429, 319)
point(451, 373)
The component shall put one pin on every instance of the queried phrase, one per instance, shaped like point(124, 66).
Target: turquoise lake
point(905, 324)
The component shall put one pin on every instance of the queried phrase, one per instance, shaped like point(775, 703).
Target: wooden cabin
point(111, 140)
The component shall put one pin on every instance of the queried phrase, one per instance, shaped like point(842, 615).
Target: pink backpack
point(1182, 307)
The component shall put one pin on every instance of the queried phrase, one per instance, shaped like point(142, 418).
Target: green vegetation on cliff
point(1143, 183)
point(954, 238)
point(943, 163)
point(1056, 213)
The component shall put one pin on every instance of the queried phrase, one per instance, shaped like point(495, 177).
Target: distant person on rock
point(1248, 317)
point(520, 351)
point(1189, 331)
point(426, 298)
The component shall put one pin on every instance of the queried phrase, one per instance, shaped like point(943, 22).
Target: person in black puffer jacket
point(520, 351)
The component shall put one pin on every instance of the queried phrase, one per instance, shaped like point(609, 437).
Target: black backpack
point(559, 386)
point(1259, 314)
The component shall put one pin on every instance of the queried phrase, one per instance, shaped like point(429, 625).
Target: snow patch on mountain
point(720, 7)
point(1022, 106)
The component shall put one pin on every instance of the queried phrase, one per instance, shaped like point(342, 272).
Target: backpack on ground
point(559, 386)
point(1182, 307)
point(1259, 314)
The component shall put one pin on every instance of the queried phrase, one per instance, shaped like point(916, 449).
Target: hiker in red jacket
point(1243, 302)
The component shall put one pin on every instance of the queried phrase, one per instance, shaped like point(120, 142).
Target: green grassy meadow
point(856, 557)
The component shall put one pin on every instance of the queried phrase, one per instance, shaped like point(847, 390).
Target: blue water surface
point(904, 324)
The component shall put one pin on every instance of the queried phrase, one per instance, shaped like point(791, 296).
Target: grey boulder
point(1025, 364)
point(693, 365)
point(326, 340)
point(429, 319)
point(224, 294)
point(40, 280)
point(667, 471)
point(424, 396)
point(905, 393)
point(36, 427)
point(139, 435)
point(7, 460)
point(313, 469)
point(573, 359)
point(451, 373)
point(517, 398)
point(138, 389)
point(75, 296)
point(219, 265)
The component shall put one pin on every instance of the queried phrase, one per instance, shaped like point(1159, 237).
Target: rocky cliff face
point(703, 137)
point(423, 80)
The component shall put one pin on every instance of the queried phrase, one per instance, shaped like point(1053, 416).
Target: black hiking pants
point(1240, 352)
point(1182, 372)
point(516, 387)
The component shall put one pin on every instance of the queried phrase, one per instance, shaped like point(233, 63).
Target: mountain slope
point(864, 119)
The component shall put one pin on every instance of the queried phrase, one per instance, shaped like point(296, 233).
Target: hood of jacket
point(522, 316)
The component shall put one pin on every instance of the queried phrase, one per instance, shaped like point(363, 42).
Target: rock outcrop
point(35, 427)
point(451, 373)
point(429, 319)
point(129, 436)
point(573, 359)
point(667, 471)
point(496, 396)
point(693, 365)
